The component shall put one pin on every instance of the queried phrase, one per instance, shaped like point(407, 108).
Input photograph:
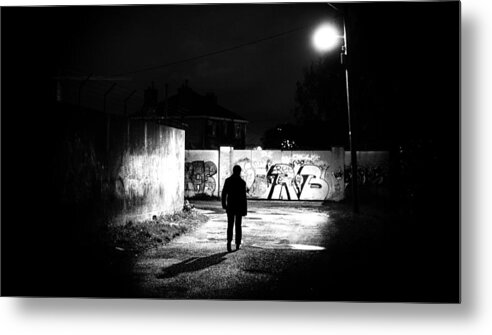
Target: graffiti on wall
point(199, 178)
point(307, 183)
point(297, 180)
point(367, 175)
point(297, 175)
point(339, 180)
point(280, 179)
point(248, 172)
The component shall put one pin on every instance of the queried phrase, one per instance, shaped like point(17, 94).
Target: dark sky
point(256, 81)
point(410, 47)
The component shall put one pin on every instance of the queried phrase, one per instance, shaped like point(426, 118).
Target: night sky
point(256, 81)
point(409, 50)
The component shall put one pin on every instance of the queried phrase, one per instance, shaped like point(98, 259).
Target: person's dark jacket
point(234, 196)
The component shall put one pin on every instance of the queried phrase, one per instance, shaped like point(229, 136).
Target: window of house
point(212, 128)
point(238, 130)
point(224, 128)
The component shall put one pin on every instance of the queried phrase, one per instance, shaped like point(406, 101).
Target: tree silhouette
point(283, 136)
point(320, 108)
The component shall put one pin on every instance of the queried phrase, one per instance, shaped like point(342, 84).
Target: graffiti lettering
point(247, 171)
point(259, 187)
point(366, 176)
point(199, 178)
point(282, 182)
point(306, 184)
point(339, 180)
point(280, 178)
point(302, 175)
point(312, 186)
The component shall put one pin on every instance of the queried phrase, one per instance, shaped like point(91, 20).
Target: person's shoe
point(237, 246)
point(229, 249)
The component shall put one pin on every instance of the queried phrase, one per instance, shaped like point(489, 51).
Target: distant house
point(209, 124)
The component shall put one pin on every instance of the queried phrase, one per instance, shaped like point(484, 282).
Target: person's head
point(236, 170)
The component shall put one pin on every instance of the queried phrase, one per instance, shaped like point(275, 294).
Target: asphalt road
point(300, 251)
point(283, 256)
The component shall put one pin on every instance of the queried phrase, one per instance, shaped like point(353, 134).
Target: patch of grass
point(139, 236)
point(203, 196)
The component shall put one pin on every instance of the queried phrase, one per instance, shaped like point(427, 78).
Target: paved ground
point(283, 256)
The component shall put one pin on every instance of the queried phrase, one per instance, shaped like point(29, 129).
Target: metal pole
point(128, 119)
point(106, 95)
point(353, 152)
point(108, 118)
point(81, 86)
point(166, 103)
point(126, 101)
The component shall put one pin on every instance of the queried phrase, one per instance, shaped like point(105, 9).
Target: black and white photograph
point(290, 152)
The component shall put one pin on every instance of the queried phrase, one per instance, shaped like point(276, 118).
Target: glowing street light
point(326, 38)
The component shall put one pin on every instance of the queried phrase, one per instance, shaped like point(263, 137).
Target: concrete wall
point(286, 175)
point(372, 166)
point(150, 171)
point(275, 174)
point(112, 169)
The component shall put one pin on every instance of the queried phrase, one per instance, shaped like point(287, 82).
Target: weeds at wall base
point(136, 237)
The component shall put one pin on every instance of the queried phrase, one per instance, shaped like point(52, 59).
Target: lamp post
point(326, 38)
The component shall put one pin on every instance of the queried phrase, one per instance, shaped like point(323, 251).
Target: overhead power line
point(92, 78)
point(212, 53)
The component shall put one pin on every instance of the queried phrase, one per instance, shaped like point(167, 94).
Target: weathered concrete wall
point(114, 169)
point(283, 175)
point(150, 171)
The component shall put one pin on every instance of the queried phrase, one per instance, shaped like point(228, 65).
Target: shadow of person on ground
point(192, 264)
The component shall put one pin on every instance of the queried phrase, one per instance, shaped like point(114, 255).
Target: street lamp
point(325, 38)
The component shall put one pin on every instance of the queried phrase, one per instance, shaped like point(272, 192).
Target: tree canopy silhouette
point(320, 104)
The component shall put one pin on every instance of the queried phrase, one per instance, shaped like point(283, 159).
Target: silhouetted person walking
point(235, 204)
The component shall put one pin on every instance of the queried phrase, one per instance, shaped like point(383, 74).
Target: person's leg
point(239, 232)
point(230, 226)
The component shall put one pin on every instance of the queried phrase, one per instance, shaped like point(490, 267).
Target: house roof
point(189, 103)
